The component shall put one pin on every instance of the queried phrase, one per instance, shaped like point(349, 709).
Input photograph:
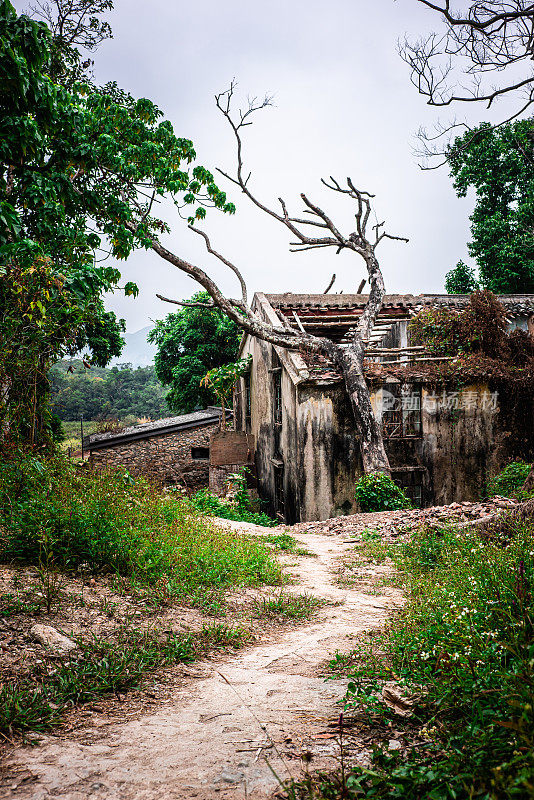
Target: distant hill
point(137, 351)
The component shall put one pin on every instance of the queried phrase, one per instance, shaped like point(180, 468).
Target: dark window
point(247, 402)
point(200, 453)
point(277, 396)
point(411, 483)
point(401, 411)
point(279, 496)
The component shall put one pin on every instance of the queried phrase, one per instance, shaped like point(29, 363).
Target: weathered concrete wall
point(271, 450)
point(166, 459)
point(329, 458)
point(460, 447)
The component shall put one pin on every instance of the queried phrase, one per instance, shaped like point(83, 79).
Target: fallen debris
point(397, 523)
point(396, 699)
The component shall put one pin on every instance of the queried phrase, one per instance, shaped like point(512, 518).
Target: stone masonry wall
point(166, 459)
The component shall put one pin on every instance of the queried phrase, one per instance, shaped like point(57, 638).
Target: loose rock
point(53, 639)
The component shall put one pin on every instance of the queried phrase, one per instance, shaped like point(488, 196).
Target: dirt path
point(231, 719)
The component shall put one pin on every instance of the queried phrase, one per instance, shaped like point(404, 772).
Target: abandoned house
point(170, 450)
point(443, 443)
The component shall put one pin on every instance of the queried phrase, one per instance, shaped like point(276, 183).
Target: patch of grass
point(509, 481)
point(463, 648)
point(109, 522)
point(288, 606)
point(21, 602)
point(288, 544)
point(101, 668)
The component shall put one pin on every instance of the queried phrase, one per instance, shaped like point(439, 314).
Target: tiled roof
point(518, 303)
point(158, 427)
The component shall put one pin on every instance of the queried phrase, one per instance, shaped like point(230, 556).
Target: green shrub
point(240, 510)
point(107, 521)
point(509, 482)
point(379, 492)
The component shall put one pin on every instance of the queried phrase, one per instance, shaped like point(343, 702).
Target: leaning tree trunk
point(374, 456)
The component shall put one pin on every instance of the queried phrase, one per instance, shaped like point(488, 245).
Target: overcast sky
point(344, 105)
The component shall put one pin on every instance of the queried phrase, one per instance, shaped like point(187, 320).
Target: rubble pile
point(395, 523)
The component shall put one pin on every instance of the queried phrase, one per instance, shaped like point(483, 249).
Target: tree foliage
point(80, 169)
point(498, 164)
point(117, 392)
point(222, 380)
point(190, 343)
point(461, 279)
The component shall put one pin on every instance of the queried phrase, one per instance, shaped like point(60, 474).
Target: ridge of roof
point(290, 300)
point(155, 427)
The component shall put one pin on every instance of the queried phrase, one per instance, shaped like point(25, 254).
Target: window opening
point(279, 495)
point(401, 411)
point(247, 402)
point(200, 453)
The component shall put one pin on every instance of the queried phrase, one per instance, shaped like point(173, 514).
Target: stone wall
point(166, 459)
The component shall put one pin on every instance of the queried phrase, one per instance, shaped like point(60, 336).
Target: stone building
point(170, 450)
point(443, 442)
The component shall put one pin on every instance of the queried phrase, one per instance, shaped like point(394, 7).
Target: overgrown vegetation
point(287, 606)
point(39, 701)
point(462, 654)
point(287, 544)
point(481, 328)
point(378, 492)
point(239, 509)
point(109, 522)
point(509, 481)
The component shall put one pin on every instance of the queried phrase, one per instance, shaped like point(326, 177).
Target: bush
point(509, 482)
point(379, 492)
point(239, 510)
point(479, 328)
point(109, 522)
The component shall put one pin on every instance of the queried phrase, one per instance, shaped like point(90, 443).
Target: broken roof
point(158, 427)
point(336, 315)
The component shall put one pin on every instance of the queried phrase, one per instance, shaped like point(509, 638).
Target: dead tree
point(363, 242)
point(451, 68)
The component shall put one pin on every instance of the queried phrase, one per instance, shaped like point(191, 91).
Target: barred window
point(401, 411)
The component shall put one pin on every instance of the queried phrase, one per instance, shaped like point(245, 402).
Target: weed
point(288, 606)
point(23, 602)
point(101, 668)
point(50, 579)
point(509, 481)
point(208, 503)
point(287, 543)
point(158, 545)
point(463, 647)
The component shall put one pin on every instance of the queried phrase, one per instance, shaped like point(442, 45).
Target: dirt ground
point(232, 726)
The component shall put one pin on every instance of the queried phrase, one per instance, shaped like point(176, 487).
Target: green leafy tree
point(80, 168)
point(190, 343)
point(221, 380)
point(499, 165)
point(461, 279)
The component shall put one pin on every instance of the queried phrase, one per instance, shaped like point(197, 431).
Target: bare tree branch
point(332, 281)
point(450, 68)
point(235, 270)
